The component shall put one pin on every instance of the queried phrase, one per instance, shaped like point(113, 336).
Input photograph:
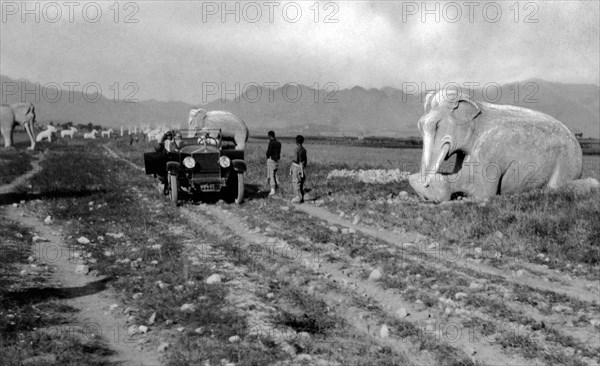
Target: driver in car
point(178, 142)
point(206, 138)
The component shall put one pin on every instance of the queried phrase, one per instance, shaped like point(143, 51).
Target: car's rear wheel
point(173, 193)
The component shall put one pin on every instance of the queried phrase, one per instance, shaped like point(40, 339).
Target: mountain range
point(293, 109)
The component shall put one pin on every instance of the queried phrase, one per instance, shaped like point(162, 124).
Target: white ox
point(90, 135)
point(46, 134)
point(107, 133)
point(70, 132)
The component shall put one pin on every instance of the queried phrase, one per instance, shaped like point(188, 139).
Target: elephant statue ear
point(24, 112)
point(195, 112)
point(465, 111)
point(428, 98)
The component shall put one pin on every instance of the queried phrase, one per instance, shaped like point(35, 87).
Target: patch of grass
point(314, 319)
point(527, 346)
point(486, 328)
point(13, 163)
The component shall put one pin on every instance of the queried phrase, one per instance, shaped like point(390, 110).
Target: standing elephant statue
point(499, 149)
point(11, 115)
point(232, 128)
point(46, 134)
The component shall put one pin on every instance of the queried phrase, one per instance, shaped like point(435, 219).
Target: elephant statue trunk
point(436, 165)
point(17, 114)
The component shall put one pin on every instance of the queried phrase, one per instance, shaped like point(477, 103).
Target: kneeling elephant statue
point(499, 149)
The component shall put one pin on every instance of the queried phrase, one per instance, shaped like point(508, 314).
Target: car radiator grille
point(207, 163)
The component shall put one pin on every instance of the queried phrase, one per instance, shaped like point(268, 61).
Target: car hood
point(198, 149)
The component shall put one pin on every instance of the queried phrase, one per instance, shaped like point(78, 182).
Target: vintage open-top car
point(201, 164)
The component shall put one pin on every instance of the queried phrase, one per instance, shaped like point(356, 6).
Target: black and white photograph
point(299, 183)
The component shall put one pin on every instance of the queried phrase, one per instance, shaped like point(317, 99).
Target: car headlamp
point(189, 162)
point(224, 162)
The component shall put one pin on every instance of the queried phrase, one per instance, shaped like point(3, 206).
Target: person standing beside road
point(273, 156)
point(297, 170)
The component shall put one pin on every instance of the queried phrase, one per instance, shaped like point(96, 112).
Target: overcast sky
point(176, 46)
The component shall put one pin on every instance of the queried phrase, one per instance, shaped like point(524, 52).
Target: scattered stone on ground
point(375, 275)
point(213, 279)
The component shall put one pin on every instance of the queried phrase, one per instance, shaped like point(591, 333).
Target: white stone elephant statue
point(499, 149)
point(232, 127)
point(46, 134)
point(22, 114)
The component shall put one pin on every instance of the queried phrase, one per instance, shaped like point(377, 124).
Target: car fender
point(173, 167)
point(238, 165)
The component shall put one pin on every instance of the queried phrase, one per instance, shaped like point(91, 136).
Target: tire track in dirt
point(580, 289)
point(118, 157)
point(12, 186)
point(474, 347)
point(86, 294)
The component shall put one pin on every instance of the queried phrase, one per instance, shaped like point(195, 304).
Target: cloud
point(174, 47)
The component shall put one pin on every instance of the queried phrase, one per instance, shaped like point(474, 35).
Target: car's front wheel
point(240, 188)
point(234, 192)
point(173, 189)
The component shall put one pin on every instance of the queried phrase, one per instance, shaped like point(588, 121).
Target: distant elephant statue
point(499, 149)
point(70, 132)
point(232, 127)
point(11, 115)
point(46, 134)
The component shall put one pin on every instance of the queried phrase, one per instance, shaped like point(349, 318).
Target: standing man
point(297, 170)
point(273, 156)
